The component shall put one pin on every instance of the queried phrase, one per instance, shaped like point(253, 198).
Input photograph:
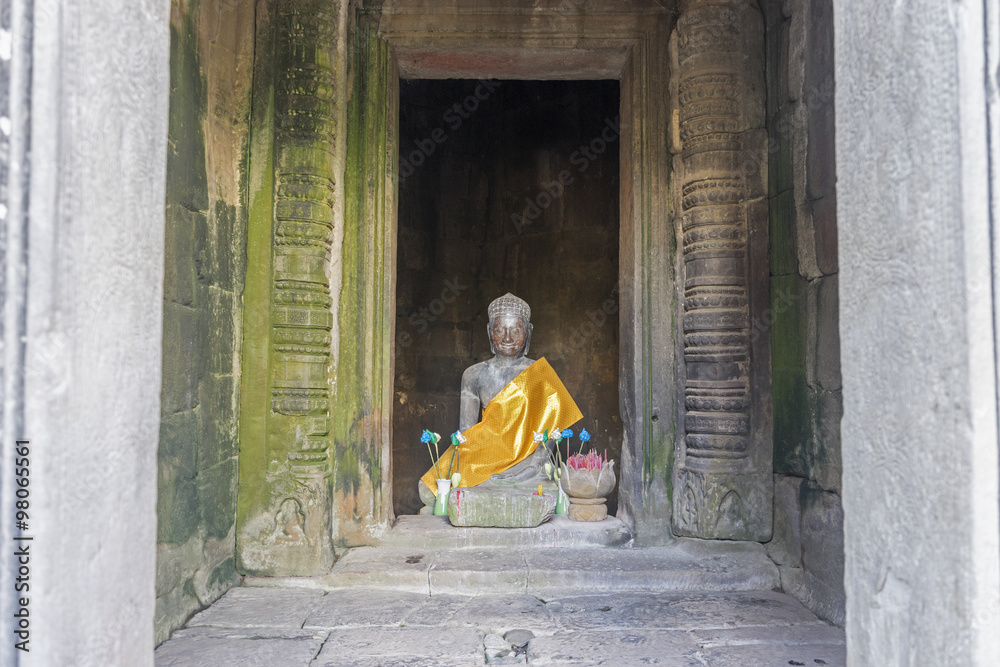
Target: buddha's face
point(509, 334)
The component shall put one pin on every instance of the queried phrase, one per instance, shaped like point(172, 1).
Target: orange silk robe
point(533, 401)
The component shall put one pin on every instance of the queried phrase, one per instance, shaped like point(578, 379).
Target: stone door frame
point(611, 40)
point(319, 318)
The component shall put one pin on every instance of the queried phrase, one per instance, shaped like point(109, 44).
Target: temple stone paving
point(439, 595)
point(375, 627)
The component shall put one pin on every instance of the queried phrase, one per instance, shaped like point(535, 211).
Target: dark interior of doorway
point(504, 186)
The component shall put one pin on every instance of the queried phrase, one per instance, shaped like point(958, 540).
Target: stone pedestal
point(588, 509)
point(495, 508)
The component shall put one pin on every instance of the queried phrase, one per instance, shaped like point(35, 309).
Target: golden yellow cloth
point(533, 401)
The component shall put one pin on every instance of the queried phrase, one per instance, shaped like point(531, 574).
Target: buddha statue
point(517, 398)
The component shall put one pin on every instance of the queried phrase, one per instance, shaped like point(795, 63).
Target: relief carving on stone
point(292, 532)
point(720, 100)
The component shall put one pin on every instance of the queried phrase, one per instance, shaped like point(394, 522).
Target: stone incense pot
point(587, 490)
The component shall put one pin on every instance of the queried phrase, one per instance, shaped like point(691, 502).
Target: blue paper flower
point(426, 437)
point(567, 433)
point(584, 436)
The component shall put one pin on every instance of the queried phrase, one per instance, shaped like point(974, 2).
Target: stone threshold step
point(436, 532)
point(685, 565)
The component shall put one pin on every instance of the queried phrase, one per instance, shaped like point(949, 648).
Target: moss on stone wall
point(804, 307)
point(793, 409)
point(203, 278)
point(804, 322)
point(359, 427)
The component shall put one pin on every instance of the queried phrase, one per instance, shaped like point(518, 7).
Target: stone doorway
point(317, 397)
point(609, 43)
point(483, 210)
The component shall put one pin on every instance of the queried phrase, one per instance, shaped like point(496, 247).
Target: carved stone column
point(285, 494)
point(722, 477)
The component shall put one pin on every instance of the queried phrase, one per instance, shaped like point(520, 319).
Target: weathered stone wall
point(804, 315)
point(210, 74)
point(722, 475)
point(483, 212)
point(920, 475)
point(81, 249)
point(363, 250)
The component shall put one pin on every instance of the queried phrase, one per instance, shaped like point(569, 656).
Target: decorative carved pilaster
point(722, 476)
point(301, 319)
point(285, 524)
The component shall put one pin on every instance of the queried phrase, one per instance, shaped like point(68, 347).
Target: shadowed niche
point(504, 186)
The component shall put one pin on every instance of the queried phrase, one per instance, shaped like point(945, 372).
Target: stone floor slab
point(679, 611)
point(395, 661)
point(792, 635)
point(354, 607)
point(436, 532)
point(617, 648)
point(766, 655)
point(259, 607)
point(478, 572)
point(437, 610)
point(354, 626)
point(249, 633)
point(225, 652)
point(394, 645)
point(499, 613)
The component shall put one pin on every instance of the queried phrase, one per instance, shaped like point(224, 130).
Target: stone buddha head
point(509, 328)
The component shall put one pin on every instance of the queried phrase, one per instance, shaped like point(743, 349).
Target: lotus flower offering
point(587, 479)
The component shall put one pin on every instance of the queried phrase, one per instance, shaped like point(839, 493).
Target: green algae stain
point(178, 507)
point(794, 412)
point(187, 178)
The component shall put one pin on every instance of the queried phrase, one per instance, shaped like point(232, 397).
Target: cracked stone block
point(823, 553)
point(825, 226)
point(402, 646)
point(815, 632)
point(785, 547)
point(247, 652)
point(771, 654)
point(827, 351)
point(264, 607)
point(364, 606)
point(499, 614)
point(619, 648)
